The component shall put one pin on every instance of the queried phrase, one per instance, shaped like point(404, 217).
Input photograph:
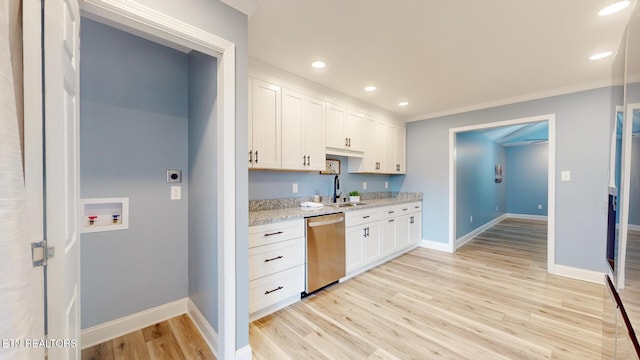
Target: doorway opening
point(476, 204)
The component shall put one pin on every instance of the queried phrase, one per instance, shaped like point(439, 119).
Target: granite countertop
point(265, 213)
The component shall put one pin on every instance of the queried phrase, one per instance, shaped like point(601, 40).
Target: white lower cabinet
point(277, 252)
point(276, 266)
point(377, 235)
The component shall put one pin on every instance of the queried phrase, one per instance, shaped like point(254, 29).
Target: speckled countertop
point(276, 210)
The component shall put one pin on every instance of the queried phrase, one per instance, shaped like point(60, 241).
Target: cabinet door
point(389, 236)
point(400, 147)
point(354, 238)
point(315, 129)
point(372, 243)
point(381, 148)
point(265, 125)
point(415, 228)
point(402, 230)
point(336, 127)
point(293, 132)
point(357, 126)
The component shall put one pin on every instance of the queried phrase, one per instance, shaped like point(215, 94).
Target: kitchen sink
point(341, 205)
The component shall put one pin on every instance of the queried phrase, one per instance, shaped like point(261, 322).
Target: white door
point(336, 126)
point(61, 74)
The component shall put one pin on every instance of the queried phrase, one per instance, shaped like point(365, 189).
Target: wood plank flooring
point(492, 299)
point(176, 338)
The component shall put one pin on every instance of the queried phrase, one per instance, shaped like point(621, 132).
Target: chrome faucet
point(336, 187)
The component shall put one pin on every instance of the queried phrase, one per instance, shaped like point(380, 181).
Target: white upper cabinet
point(346, 131)
point(357, 127)
point(315, 129)
point(264, 125)
point(400, 166)
point(303, 128)
point(336, 127)
point(384, 149)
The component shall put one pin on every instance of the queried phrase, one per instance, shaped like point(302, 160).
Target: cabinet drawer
point(409, 208)
point(271, 233)
point(353, 218)
point(269, 259)
point(271, 289)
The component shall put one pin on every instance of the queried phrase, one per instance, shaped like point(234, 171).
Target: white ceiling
point(444, 56)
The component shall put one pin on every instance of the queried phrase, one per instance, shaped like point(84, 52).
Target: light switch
point(295, 188)
point(364, 185)
point(386, 184)
point(176, 192)
point(565, 175)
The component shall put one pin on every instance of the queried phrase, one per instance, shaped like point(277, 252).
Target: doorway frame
point(551, 187)
point(148, 23)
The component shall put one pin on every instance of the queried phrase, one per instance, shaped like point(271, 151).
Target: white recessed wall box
point(104, 214)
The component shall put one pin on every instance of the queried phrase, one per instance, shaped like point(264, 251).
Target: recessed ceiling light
point(601, 55)
point(403, 103)
point(614, 8)
point(318, 64)
point(370, 88)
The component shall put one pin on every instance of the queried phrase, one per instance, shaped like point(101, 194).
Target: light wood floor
point(176, 338)
point(492, 299)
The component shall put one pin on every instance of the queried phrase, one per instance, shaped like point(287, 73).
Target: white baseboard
point(207, 331)
point(526, 216)
point(577, 273)
point(475, 232)
point(435, 245)
point(118, 327)
point(244, 353)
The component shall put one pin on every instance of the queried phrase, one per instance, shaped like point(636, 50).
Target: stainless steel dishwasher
point(325, 251)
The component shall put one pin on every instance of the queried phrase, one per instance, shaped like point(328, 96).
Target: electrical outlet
point(295, 188)
point(470, 218)
point(539, 206)
point(497, 208)
point(364, 185)
point(386, 184)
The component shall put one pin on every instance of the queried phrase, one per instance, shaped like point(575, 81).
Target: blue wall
point(133, 109)
point(582, 146)
point(526, 177)
point(265, 184)
point(478, 196)
point(203, 184)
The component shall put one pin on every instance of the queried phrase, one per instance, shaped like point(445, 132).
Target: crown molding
point(517, 99)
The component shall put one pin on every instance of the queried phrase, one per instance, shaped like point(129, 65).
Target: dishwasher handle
point(326, 222)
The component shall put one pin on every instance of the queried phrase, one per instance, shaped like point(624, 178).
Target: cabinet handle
point(250, 156)
point(405, 209)
point(397, 167)
point(391, 212)
point(411, 220)
point(346, 141)
point(364, 232)
point(391, 220)
point(256, 156)
point(274, 233)
point(417, 207)
point(276, 289)
point(366, 217)
point(309, 160)
point(275, 258)
point(304, 160)
point(349, 142)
